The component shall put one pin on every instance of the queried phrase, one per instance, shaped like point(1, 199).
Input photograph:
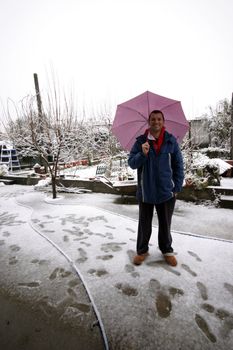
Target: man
point(158, 160)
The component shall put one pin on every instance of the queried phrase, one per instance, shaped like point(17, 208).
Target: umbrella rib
point(175, 122)
point(134, 136)
point(171, 104)
point(180, 123)
point(174, 103)
point(147, 95)
point(134, 110)
point(130, 122)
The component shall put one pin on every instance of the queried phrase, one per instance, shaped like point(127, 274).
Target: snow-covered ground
point(89, 172)
point(49, 248)
point(188, 217)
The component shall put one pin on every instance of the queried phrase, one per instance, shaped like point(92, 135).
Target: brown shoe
point(138, 259)
point(170, 260)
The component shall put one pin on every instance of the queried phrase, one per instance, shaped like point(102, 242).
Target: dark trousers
point(164, 212)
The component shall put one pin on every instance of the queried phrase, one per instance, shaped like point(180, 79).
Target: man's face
point(156, 122)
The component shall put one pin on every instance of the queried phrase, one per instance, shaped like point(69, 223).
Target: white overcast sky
point(108, 51)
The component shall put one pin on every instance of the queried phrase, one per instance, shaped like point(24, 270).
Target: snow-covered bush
point(200, 160)
point(42, 184)
point(204, 171)
point(3, 170)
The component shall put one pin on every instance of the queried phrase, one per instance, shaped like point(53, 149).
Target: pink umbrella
point(131, 119)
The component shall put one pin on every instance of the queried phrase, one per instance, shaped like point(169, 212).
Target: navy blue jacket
point(159, 175)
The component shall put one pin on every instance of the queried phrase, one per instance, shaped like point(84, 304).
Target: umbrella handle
point(146, 151)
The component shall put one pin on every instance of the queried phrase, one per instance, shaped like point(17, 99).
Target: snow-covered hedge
point(216, 152)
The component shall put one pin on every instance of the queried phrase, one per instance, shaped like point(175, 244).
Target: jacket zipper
point(143, 196)
point(170, 165)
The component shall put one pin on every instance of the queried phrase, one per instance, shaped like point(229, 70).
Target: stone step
point(226, 195)
point(222, 190)
point(7, 182)
point(226, 201)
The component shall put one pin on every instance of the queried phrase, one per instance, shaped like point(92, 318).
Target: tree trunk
point(54, 189)
point(232, 126)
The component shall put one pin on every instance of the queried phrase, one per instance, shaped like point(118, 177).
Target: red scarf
point(159, 141)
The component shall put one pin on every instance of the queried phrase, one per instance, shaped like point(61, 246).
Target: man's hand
point(145, 148)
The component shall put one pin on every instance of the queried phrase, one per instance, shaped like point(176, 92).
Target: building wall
point(199, 132)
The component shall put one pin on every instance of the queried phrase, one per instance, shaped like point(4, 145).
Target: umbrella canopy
point(131, 119)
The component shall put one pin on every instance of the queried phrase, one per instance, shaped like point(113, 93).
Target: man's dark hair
point(156, 111)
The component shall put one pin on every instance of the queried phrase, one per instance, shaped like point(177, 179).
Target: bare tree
point(53, 136)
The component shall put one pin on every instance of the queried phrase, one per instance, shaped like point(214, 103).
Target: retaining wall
point(187, 194)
